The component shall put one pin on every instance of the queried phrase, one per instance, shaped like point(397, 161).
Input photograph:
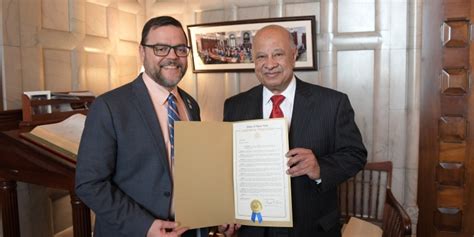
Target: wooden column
point(81, 217)
point(9, 204)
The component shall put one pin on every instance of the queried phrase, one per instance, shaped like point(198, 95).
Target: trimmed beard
point(162, 80)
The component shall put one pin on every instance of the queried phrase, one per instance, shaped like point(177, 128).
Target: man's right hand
point(228, 230)
point(161, 228)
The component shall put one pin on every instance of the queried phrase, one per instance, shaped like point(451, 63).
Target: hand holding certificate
point(232, 173)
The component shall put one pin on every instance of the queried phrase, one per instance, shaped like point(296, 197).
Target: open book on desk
point(61, 138)
point(232, 172)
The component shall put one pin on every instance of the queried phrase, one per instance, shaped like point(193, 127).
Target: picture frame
point(226, 46)
point(40, 95)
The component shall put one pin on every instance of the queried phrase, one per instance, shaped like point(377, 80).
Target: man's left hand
point(302, 161)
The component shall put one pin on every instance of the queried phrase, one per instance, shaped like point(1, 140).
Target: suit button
point(167, 194)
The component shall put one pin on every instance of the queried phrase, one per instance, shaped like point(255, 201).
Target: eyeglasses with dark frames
point(162, 50)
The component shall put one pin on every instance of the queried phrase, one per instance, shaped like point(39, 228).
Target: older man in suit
point(125, 161)
point(325, 144)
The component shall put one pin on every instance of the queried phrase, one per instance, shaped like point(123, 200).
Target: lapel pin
point(189, 103)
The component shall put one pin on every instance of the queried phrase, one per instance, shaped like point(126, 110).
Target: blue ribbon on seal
point(256, 215)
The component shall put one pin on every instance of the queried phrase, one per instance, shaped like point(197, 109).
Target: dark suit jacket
point(122, 167)
point(323, 121)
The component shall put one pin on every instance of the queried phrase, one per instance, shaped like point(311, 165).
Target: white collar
point(289, 92)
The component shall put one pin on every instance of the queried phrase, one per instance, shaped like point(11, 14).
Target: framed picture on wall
point(227, 46)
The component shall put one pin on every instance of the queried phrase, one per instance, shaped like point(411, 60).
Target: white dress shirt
point(286, 106)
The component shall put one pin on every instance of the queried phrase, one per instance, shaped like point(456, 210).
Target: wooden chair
point(396, 222)
point(368, 196)
point(363, 195)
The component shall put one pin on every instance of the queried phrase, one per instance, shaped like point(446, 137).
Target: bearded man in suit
point(325, 144)
point(125, 160)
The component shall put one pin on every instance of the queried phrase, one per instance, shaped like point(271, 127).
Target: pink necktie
point(276, 111)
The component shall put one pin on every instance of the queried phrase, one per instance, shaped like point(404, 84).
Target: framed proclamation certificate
point(232, 173)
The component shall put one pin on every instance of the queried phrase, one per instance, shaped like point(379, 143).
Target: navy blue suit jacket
point(323, 121)
point(122, 172)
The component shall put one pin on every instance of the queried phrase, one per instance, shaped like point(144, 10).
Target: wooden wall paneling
point(453, 105)
point(431, 54)
point(1, 95)
point(454, 81)
point(455, 9)
point(470, 157)
point(448, 219)
point(450, 174)
point(455, 33)
point(452, 128)
point(450, 196)
point(450, 104)
point(452, 152)
point(455, 57)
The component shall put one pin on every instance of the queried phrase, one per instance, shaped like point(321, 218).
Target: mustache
point(171, 63)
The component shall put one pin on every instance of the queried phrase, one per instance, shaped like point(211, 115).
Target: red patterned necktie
point(276, 111)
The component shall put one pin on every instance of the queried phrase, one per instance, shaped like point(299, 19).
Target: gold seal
point(256, 206)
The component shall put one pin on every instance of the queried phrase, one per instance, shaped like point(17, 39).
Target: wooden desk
point(21, 161)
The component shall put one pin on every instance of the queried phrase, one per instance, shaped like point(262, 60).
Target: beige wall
point(368, 49)
point(61, 45)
